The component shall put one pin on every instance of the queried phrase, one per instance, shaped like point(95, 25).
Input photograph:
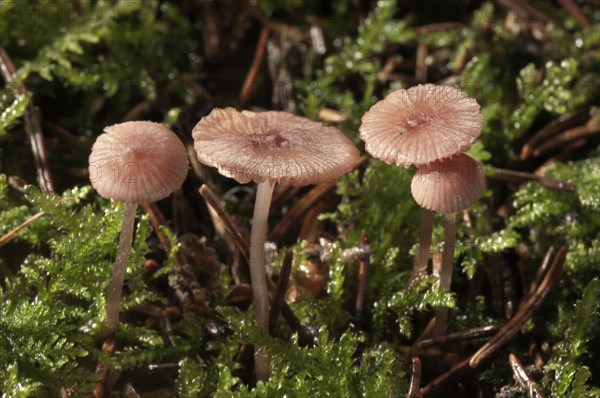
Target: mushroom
point(447, 186)
point(418, 126)
point(135, 163)
point(270, 148)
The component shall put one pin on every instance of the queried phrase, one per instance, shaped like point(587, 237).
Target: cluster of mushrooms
point(427, 126)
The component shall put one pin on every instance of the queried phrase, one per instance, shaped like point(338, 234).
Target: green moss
point(87, 66)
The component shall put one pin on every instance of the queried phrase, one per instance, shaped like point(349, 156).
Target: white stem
point(258, 275)
point(441, 314)
point(118, 275)
point(420, 267)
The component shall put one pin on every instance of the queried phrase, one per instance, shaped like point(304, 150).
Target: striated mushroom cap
point(137, 162)
point(273, 146)
point(448, 185)
point(422, 124)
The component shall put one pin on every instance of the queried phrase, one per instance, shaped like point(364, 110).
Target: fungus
point(447, 186)
point(135, 163)
point(270, 148)
point(418, 126)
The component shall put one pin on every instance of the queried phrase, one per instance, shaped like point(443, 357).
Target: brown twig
point(523, 379)
point(138, 111)
point(156, 220)
point(32, 122)
point(281, 197)
point(108, 347)
point(529, 307)
point(213, 201)
point(243, 246)
point(10, 235)
point(562, 123)
point(305, 336)
point(506, 333)
point(520, 177)
point(414, 349)
point(311, 226)
point(279, 295)
point(288, 31)
point(521, 7)
point(476, 334)
point(542, 270)
point(415, 379)
point(298, 211)
point(259, 55)
point(439, 27)
point(363, 274)
point(421, 63)
point(190, 79)
point(199, 169)
point(574, 134)
point(68, 137)
point(565, 154)
point(574, 10)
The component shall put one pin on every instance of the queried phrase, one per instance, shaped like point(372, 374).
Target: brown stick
point(542, 270)
point(309, 200)
point(484, 332)
point(523, 379)
point(214, 202)
point(244, 247)
point(562, 123)
point(279, 295)
point(574, 134)
point(282, 197)
point(521, 6)
point(439, 27)
point(421, 64)
point(32, 122)
point(363, 273)
point(533, 303)
point(415, 379)
point(414, 349)
point(574, 10)
point(507, 332)
point(519, 177)
point(68, 137)
point(10, 235)
point(563, 155)
point(156, 220)
point(259, 55)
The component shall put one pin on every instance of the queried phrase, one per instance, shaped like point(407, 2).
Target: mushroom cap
point(424, 123)
point(448, 185)
point(277, 147)
point(137, 162)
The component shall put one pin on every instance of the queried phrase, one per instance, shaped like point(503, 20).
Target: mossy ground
point(186, 313)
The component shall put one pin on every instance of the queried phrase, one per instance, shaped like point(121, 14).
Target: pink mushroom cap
point(448, 185)
point(137, 162)
point(273, 146)
point(424, 123)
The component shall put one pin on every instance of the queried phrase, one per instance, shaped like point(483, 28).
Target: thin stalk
point(420, 267)
point(118, 276)
point(258, 276)
point(441, 314)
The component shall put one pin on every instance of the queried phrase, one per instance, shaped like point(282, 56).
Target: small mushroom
point(418, 126)
point(135, 163)
point(270, 148)
point(447, 186)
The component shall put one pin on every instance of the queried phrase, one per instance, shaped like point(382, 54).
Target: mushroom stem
point(420, 267)
point(118, 275)
point(441, 314)
point(258, 276)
